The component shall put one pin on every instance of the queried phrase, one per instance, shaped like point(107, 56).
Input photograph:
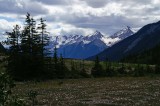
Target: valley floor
point(125, 91)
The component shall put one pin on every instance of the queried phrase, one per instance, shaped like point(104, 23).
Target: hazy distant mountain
point(146, 38)
point(80, 47)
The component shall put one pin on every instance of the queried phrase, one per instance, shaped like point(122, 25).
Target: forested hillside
point(151, 56)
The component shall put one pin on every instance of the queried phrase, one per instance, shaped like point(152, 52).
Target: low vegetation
point(115, 91)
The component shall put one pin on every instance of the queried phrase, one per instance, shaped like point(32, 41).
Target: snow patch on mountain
point(108, 40)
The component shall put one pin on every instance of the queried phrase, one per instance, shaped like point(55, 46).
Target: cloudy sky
point(80, 16)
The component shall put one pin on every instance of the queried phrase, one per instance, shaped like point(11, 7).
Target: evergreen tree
point(55, 57)
point(27, 48)
point(31, 61)
point(97, 70)
point(149, 70)
point(73, 71)
point(62, 68)
point(38, 63)
point(13, 39)
point(43, 40)
point(107, 68)
point(35, 39)
point(109, 71)
point(157, 69)
point(14, 50)
point(121, 70)
point(54, 64)
point(44, 37)
point(139, 71)
point(26, 36)
point(83, 71)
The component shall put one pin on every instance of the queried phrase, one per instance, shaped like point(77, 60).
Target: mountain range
point(146, 38)
point(81, 47)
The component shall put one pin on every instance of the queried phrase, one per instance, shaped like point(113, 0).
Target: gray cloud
point(55, 2)
point(105, 23)
point(97, 3)
point(103, 3)
point(21, 7)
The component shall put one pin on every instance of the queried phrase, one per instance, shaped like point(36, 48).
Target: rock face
point(146, 38)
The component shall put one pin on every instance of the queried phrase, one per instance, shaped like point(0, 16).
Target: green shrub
point(6, 96)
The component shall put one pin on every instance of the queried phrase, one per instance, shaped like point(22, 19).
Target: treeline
point(108, 69)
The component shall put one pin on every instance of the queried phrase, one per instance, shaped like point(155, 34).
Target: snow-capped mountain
point(146, 38)
point(80, 47)
point(124, 33)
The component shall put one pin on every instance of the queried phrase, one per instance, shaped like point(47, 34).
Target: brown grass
point(126, 91)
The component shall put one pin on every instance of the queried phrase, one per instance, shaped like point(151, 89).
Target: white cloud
point(67, 29)
point(81, 16)
point(156, 2)
point(8, 26)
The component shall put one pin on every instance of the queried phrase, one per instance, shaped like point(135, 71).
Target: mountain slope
point(81, 50)
point(151, 56)
point(146, 38)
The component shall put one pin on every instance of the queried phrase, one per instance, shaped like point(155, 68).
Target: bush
point(6, 96)
point(139, 71)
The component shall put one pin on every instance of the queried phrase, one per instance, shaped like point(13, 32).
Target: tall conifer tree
point(14, 50)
